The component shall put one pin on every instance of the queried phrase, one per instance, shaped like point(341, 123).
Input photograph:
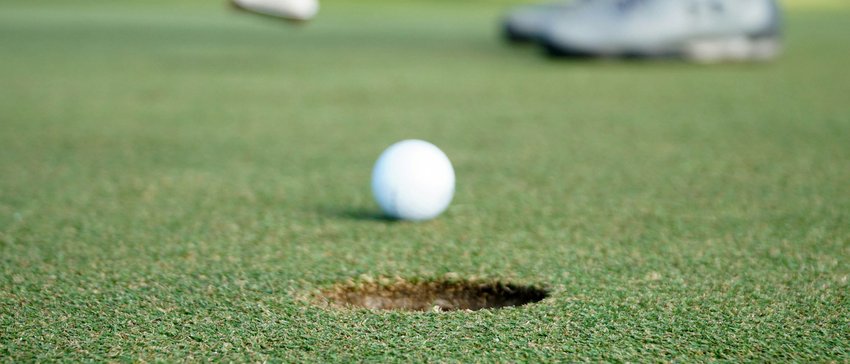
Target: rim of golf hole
point(431, 296)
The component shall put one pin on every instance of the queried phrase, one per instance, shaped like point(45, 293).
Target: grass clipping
point(437, 296)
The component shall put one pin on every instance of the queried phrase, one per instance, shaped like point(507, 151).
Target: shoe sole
point(733, 49)
point(709, 50)
point(511, 35)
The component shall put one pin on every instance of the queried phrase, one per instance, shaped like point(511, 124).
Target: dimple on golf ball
point(413, 180)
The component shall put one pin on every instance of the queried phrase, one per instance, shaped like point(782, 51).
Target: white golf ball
point(299, 10)
point(413, 180)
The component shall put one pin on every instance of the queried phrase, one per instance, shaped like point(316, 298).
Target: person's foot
point(526, 23)
point(292, 10)
point(700, 30)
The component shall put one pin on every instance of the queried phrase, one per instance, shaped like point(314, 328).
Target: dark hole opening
point(433, 296)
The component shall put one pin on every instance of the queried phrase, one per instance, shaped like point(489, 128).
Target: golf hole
point(433, 296)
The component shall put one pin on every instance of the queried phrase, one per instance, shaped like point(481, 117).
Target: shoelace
point(707, 6)
point(696, 7)
point(627, 5)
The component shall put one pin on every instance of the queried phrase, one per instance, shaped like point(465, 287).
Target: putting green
point(178, 183)
point(815, 4)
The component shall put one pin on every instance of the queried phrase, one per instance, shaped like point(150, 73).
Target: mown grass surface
point(176, 179)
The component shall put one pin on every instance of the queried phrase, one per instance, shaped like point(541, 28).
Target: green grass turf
point(174, 178)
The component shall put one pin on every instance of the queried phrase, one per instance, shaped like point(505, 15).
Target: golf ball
point(413, 180)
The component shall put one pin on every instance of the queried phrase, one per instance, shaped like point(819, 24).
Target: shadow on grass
point(359, 214)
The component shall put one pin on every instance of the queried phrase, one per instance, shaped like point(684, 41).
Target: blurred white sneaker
point(293, 10)
point(699, 30)
point(526, 23)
